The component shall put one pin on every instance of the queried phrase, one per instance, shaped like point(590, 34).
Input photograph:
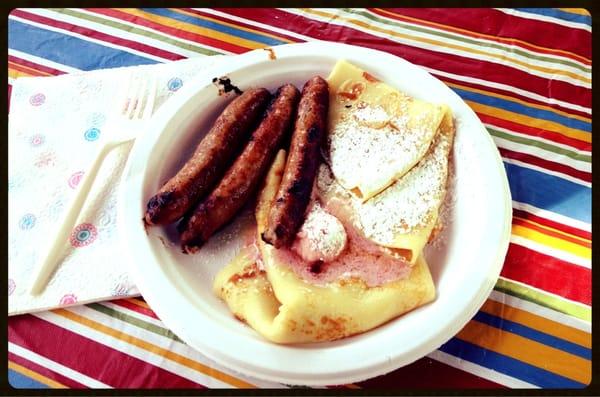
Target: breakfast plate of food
point(315, 213)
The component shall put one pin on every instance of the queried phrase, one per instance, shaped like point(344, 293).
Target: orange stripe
point(139, 303)
point(132, 340)
point(503, 40)
point(35, 376)
point(539, 323)
point(550, 232)
point(528, 351)
point(27, 69)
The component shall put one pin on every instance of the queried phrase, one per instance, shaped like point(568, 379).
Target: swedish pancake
point(403, 215)
point(375, 133)
point(264, 290)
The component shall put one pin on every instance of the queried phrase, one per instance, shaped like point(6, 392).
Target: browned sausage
point(210, 160)
point(243, 177)
point(287, 213)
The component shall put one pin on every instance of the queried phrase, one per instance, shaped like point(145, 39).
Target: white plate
point(179, 287)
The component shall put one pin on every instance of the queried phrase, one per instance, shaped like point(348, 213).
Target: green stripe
point(134, 321)
point(420, 29)
point(141, 32)
point(544, 299)
point(541, 145)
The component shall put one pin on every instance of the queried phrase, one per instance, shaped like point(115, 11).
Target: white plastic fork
point(129, 117)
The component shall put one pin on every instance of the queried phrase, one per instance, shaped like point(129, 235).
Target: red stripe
point(547, 164)
point(548, 273)
point(90, 358)
point(550, 233)
point(98, 35)
point(433, 59)
point(37, 66)
point(555, 225)
point(534, 131)
point(426, 374)
point(138, 309)
point(173, 31)
point(242, 24)
point(465, 32)
point(500, 24)
point(70, 383)
point(510, 94)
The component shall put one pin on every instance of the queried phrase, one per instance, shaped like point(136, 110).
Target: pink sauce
point(360, 259)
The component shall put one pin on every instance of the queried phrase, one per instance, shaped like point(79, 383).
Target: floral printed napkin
point(56, 125)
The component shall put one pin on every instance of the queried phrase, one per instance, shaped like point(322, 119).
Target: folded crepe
point(375, 133)
point(262, 290)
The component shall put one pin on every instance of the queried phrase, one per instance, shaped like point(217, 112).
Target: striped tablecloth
point(525, 72)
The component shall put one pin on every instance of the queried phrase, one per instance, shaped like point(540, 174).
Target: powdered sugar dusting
point(368, 148)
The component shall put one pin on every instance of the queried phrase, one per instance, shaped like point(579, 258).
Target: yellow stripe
point(552, 242)
point(13, 74)
point(215, 34)
point(528, 351)
point(488, 36)
point(453, 46)
point(572, 236)
point(34, 375)
point(579, 11)
point(230, 25)
point(528, 104)
point(539, 323)
point(531, 121)
point(155, 349)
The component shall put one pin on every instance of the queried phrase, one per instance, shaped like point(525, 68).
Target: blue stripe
point(198, 21)
point(523, 109)
point(559, 14)
point(508, 365)
point(550, 192)
point(533, 334)
point(68, 50)
point(20, 381)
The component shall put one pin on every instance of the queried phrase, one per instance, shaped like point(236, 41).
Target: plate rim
point(159, 305)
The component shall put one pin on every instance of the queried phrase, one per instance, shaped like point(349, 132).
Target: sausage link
point(210, 159)
point(243, 177)
point(288, 211)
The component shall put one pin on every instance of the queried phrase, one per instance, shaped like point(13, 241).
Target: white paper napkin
point(56, 125)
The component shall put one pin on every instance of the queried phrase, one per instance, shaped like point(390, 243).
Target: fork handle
point(56, 248)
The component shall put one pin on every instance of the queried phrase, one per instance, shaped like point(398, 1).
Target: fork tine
point(141, 95)
point(150, 96)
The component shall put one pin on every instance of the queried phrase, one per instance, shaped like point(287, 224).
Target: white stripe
point(549, 172)
point(257, 24)
point(42, 61)
point(540, 139)
point(147, 29)
point(480, 371)
point(553, 216)
point(126, 348)
point(544, 249)
point(541, 311)
point(443, 49)
point(542, 153)
point(87, 38)
point(545, 18)
point(483, 43)
point(57, 16)
point(509, 89)
point(56, 367)
point(153, 358)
